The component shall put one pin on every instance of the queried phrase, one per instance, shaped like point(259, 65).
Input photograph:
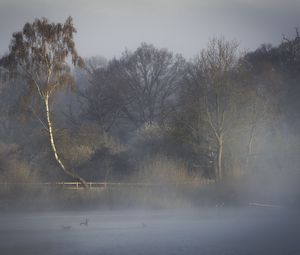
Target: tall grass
point(164, 170)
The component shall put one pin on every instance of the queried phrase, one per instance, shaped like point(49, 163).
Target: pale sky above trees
point(106, 27)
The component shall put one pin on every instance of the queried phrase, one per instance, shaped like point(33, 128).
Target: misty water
point(246, 230)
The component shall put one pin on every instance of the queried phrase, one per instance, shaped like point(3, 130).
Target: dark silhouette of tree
point(138, 88)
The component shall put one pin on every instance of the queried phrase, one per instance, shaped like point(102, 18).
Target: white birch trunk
point(53, 146)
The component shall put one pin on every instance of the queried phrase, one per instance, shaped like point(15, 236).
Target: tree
point(258, 97)
point(272, 99)
point(138, 88)
point(212, 80)
point(39, 55)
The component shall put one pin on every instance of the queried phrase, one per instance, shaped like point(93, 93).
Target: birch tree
point(40, 55)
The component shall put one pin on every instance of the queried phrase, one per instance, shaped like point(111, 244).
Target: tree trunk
point(53, 146)
point(251, 136)
point(219, 174)
point(250, 146)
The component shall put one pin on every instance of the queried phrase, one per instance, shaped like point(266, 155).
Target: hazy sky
point(107, 27)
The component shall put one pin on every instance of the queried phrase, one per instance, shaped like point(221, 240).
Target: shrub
point(18, 178)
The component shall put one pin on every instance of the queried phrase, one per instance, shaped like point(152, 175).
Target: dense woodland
point(149, 115)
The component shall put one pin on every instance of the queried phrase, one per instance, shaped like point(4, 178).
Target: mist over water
point(246, 230)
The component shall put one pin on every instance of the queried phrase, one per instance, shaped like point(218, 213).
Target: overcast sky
point(107, 27)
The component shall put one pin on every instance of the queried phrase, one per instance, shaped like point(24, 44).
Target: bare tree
point(212, 75)
point(39, 55)
point(259, 101)
point(138, 88)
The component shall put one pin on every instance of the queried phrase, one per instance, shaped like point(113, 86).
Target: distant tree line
point(223, 114)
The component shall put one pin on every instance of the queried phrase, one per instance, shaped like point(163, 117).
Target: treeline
point(149, 114)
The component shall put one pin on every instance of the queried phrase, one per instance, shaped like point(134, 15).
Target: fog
point(149, 127)
point(206, 231)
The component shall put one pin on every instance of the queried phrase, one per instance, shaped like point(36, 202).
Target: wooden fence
point(108, 185)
